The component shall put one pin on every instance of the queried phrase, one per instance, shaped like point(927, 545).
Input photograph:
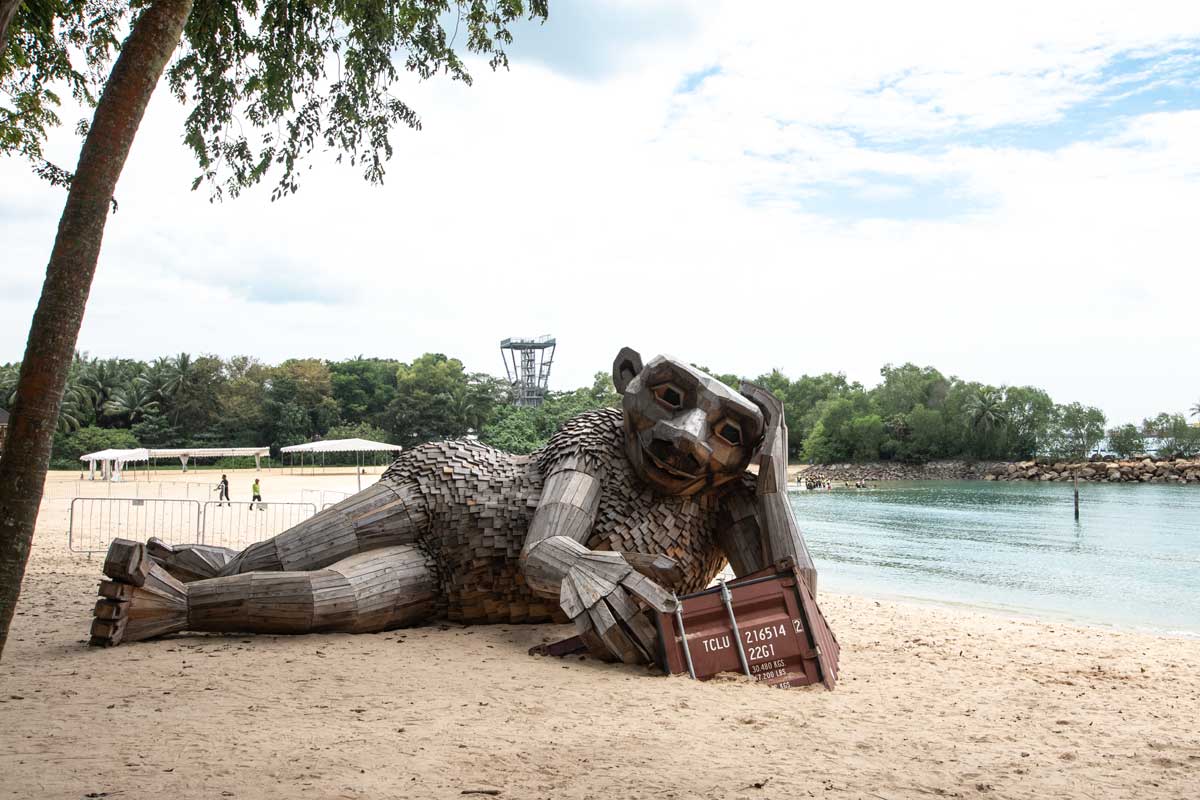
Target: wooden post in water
point(1075, 476)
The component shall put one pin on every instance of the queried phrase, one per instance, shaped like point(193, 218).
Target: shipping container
point(766, 625)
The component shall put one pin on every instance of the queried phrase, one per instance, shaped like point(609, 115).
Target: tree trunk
point(8, 10)
point(56, 321)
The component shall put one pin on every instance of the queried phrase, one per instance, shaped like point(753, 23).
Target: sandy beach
point(932, 702)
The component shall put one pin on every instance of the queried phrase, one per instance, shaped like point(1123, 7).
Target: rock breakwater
point(1145, 470)
point(896, 471)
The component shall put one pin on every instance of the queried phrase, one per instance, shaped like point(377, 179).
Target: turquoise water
point(1133, 559)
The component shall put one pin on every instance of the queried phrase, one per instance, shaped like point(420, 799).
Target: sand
point(932, 702)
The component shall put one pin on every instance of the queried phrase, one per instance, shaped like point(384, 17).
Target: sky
point(1005, 191)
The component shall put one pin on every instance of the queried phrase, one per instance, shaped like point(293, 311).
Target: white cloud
point(602, 205)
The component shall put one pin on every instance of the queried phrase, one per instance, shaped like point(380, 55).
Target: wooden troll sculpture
point(621, 509)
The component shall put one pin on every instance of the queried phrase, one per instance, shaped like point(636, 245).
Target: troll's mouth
point(673, 461)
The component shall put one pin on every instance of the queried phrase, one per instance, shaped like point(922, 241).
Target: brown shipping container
point(775, 634)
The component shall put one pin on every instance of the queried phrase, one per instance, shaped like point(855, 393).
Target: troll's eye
point(729, 432)
point(669, 396)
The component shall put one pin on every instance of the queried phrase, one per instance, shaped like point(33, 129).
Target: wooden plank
point(127, 561)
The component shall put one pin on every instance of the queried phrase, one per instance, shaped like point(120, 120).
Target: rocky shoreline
point(1145, 470)
point(896, 471)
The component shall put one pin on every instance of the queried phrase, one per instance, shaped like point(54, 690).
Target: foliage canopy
point(915, 414)
point(267, 82)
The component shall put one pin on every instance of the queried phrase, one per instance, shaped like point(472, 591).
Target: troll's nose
point(686, 432)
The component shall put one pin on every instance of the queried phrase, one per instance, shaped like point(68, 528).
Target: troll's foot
point(140, 601)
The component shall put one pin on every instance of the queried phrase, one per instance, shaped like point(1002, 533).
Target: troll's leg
point(380, 515)
point(388, 587)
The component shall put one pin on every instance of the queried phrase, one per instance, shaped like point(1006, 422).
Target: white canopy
point(119, 458)
point(123, 456)
point(144, 454)
point(342, 446)
point(210, 452)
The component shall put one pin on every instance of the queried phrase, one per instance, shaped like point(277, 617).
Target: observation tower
point(527, 362)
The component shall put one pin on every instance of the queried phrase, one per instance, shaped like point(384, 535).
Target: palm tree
point(78, 406)
point(132, 402)
point(179, 372)
point(1196, 410)
point(168, 380)
point(985, 411)
point(101, 377)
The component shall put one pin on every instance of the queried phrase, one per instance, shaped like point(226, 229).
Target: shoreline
point(1013, 613)
point(1180, 471)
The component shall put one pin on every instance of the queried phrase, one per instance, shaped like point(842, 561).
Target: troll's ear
point(772, 450)
point(626, 367)
point(769, 405)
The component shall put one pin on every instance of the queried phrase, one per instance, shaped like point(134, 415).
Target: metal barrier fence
point(237, 525)
point(96, 521)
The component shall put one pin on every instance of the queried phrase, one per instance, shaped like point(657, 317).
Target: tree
point(76, 408)
point(305, 383)
point(363, 388)
point(102, 377)
point(1177, 438)
point(1196, 410)
point(832, 439)
point(192, 390)
point(514, 430)
point(523, 429)
point(801, 400)
point(1080, 430)
point(868, 434)
point(1126, 441)
point(132, 403)
point(437, 399)
point(59, 312)
point(44, 45)
point(905, 387)
point(1158, 426)
point(245, 68)
point(68, 447)
point(8, 11)
point(928, 436)
point(1030, 413)
point(242, 398)
point(985, 419)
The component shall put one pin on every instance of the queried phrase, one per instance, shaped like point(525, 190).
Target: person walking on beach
point(223, 490)
point(256, 495)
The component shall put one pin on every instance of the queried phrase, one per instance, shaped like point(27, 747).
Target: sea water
point(1132, 559)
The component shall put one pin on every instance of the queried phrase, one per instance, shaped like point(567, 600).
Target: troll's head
point(685, 431)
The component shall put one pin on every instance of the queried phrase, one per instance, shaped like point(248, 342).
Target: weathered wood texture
point(782, 539)
point(621, 509)
point(384, 588)
point(141, 601)
point(190, 562)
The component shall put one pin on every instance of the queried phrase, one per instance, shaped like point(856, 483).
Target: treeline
point(915, 414)
point(179, 401)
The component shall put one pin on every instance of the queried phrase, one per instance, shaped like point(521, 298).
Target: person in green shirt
point(256, 495)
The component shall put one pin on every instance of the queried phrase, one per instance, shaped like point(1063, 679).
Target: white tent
point(113, 461)
point(342, 446)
